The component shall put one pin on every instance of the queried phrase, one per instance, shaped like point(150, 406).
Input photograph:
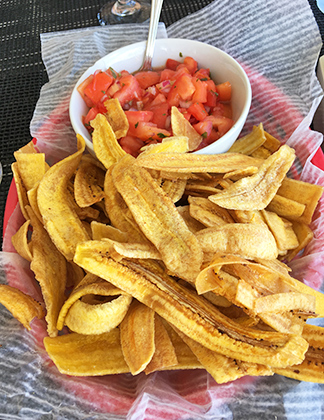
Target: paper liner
point(278, 46)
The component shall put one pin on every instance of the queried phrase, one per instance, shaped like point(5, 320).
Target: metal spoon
point(156, 7)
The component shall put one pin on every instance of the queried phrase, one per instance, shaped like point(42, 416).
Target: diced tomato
point(172, 64)
point(202, 74)
point(185, 87)
point(135, 117)
point(222, 110)
point(185, 113)
point(222, 124)
point(182, 69)
point(204, 128)
point(130, 89)
point(198, 111)
point(167, 74)
point(81, 88)
point(160, 114)
point(131, 145)
point(191, 64)
point(224, 91)
point(214, 136)
point(148, 131)
point(147, 78)
point(158, 100)
point(91, 115)
point(200, 94)
point(211, 94)
point(98, 86)
point(173, 97)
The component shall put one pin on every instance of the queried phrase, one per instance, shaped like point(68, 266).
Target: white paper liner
point(278, 45)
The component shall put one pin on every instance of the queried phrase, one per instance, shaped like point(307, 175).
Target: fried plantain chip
point(224, 369)
point(49, 267)
point(105, 144)
point(208, 213)
point(248, 240)
point(60, 219)
point(116, 117)
point(32, 167)
point(304, 235)
point(87, 355)
point(250, 142)
point(286, 207)
point(158, 218)
point(182, 127)
point(88, 184)
point(256, 192)
point(164, 355)
point(23, 307)
point(21, 190)
point(174, 144)
point(304, 193)
point(284, 302)
point(191, 314)
point(187, 163)
point(137, 337)
point(20, 241)
point(82, 318)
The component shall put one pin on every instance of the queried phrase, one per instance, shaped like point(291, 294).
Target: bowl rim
point(238, 125)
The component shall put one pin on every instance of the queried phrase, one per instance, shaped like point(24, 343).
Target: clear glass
point(124, 11)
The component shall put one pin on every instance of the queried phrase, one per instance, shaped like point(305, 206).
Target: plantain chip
point(87, 355)
point(164, 355)
point(105, 144)
point(304, 236)
point(284, 302)
point(174, 144)
point(208, 213)
point(88, 184)
point(21, 190)
point(32, 167)
point(23, 307)
point(286, 207)
point(158, 218)
point(248, 240)
point(250, 142)
point(60, 219)
point(116, 117)
point(222, 368)
point(256, 192)
point(137, 337)
point(49, 267)
point(95, 320)
point(182, 127)
point(191, 314)
point(21, 243)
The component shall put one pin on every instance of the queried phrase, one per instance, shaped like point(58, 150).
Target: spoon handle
point(156, 7)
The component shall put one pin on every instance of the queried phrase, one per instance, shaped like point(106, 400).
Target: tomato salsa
point(147, 98)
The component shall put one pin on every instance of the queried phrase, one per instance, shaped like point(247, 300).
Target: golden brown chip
point(137, 337)
point(87, 355)
point(32, 198)
point(248, 240)
point(164, 355)
point(158, 218)
point(101, 230)
point(284, 302)
point(49, 267)
point(250, 142)
point(286, 207)
point(304, 235)
point(241, 173)
point(256, 192)
point(304, 193)
point(193, 224)
point(224, 369)
point(208, 213)
point(32, 168)
point(116, 117)
point(182, 127)
point(105, 144)
point(188, 163)
point(191, 314)
point(174, 188)
point(92, 285)
point(172, 144)
point(23, 307)
point(21, 243)
point(88, 184)
point(21, 190)
point(60, 219)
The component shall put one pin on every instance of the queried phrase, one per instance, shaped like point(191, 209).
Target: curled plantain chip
point(88, 184)
point(256, 192)
point(60, 219)
point(23, 307)
point(191, 314)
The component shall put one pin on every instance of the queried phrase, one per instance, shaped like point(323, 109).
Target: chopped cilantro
point(103, 91)
point(204, 135)
point(114, 75)
point(136, 125)
point(180, 54)
point(161, 135)
point(204, 79)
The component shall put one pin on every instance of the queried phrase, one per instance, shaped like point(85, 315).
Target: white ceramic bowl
point(222, 67)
